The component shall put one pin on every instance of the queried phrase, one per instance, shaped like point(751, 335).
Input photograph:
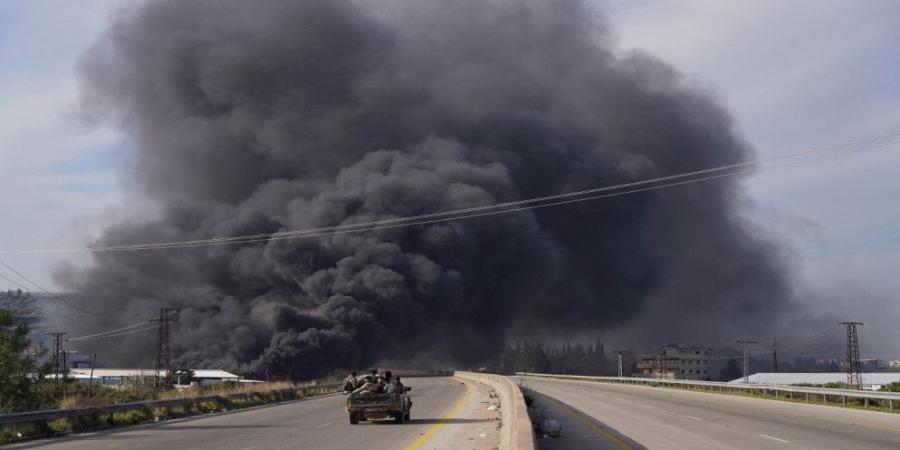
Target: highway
point(617, 416)
point(446, 413)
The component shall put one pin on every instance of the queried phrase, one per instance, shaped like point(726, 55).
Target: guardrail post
point(807, 397)
point(866, 405)
point(891, 405)
point(844, 400)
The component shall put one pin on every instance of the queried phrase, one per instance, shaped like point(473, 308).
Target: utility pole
point(57, 351)
point(854, 365)
point(775, 355)
point(163, 353)
point(744, 341)
point(661, 364)
point(619, 354)
point(91, 384)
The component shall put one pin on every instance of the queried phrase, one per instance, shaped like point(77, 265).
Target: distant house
point(675, 362)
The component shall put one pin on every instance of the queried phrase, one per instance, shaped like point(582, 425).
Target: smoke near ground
point(258, 117)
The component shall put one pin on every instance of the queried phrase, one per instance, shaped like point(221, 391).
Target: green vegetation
point(536, 357)
point(80, 395)
point(23, 387)
point(17, 366)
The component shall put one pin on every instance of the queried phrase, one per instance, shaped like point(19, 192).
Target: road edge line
point(423, 439)
point(587, 420)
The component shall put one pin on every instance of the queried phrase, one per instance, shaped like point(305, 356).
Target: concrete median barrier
point(515, 432)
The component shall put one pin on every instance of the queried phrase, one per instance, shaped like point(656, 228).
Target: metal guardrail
point(53, 414)
point(802, 391)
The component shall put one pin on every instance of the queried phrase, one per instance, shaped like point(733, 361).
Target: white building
point(675, 362)
point(119, 377)
point(871, 380)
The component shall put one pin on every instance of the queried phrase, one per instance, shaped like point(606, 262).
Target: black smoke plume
point(258, 117)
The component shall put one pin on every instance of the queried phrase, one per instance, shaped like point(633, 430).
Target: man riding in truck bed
point(370, 383)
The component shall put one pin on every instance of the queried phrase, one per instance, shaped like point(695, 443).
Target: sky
point(795, 75)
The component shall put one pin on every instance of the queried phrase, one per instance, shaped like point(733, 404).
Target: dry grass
point(228, 388)
point(81, 401)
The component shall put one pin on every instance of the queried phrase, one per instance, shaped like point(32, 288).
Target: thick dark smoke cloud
point(256, 117)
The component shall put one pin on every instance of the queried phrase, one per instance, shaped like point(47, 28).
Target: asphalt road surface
point(443, 413)
point(616, 416)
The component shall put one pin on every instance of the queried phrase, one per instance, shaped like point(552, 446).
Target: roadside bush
point(6, 436)
point(60, 426)
point(133, 417)
point(208, 407)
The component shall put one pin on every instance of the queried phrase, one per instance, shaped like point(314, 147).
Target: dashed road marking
point(695, 418)
point(323, 425)
point(774, 438)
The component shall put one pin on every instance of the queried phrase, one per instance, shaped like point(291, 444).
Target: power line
point(20, 286)
point(486, 210)
point(62, 301)
point(99, 334)
point(107, 336)
point(24, 277)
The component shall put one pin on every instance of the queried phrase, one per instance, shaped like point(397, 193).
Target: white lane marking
point(251, 448)
point(694, 417)
point(323, 425)
point(774, 438)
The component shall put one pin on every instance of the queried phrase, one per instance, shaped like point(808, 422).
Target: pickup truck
point(369, 406)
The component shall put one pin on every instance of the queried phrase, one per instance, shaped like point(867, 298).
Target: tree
point(18, 366)
point(532, 358)
point(731, 371)
point(179, 376)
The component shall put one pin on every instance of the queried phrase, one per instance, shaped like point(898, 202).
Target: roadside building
point(122, 377)
point(894, 364)
point(675, 362)
point(871, 364)
point(873, 381)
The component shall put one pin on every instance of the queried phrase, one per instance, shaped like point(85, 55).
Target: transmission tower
point(854, 365)
point(163, 353)
point(57, 356)
point(744, 346)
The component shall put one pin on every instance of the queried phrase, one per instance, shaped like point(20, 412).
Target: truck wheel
point(354, 418)
point(399, 417)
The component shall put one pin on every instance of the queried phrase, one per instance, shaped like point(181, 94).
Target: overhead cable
point(102, 333)
point(711, 173)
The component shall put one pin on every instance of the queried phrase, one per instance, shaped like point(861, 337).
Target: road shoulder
point(476, 424)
